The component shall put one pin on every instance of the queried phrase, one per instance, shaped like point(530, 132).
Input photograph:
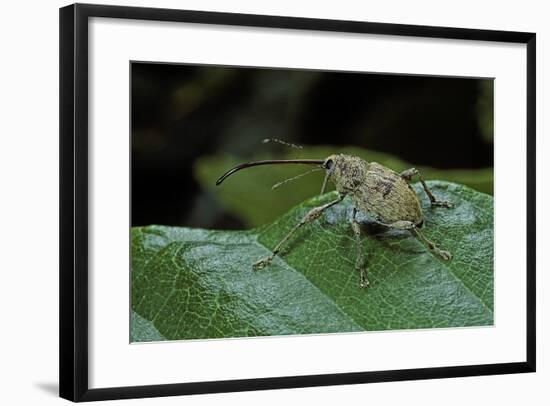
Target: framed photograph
point(256, 202)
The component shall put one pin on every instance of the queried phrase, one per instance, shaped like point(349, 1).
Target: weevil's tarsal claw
point(443, 203)
point(262, 263)
point(446, 255)
point(364, 283)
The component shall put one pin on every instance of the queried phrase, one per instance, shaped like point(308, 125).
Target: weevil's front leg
point(360, 258)
point(409, 225)
point(409, 173)
point(310, 216)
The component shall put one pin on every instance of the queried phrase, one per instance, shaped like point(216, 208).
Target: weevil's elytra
point(374, 189)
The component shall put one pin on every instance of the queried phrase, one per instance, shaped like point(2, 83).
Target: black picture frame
point(74, 172)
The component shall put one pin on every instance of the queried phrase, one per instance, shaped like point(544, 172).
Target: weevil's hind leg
point(409, 225)
point(310, 216)
point(409, 173)
point(446, 255)
point(360, 258)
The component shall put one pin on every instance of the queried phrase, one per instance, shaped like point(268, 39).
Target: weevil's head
point(331, 166)
point(328, 163)
point(345, 171)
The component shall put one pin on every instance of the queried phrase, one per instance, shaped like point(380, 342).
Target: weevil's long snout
point(269, 162)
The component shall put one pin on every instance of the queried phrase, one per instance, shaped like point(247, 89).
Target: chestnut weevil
point(374, 189)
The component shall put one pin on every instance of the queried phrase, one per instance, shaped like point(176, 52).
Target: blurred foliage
point(184, 115)
point(485, 109)
point(248, 194)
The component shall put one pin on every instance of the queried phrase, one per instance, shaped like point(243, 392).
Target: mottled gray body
point(376, 190)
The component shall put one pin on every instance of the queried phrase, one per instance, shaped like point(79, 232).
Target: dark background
point(183, 112)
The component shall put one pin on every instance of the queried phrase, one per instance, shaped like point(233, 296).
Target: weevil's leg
point(409, 173)
point(409, 225)
point(360, 259)
point(446, 255)
point(310, 216)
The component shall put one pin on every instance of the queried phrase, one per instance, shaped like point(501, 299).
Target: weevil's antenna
point(276, 185)
point(269, 162)
point(329, 172)
point(278, 141)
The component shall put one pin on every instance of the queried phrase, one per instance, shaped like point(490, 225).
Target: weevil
point(374, 189)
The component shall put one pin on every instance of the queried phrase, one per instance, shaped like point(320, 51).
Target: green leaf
point(248, 194)
point(142, 330)
point(195, 284)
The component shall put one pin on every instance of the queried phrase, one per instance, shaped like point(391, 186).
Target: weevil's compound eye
point(329, 164)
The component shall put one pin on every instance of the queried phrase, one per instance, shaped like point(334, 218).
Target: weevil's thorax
point(348, 172)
